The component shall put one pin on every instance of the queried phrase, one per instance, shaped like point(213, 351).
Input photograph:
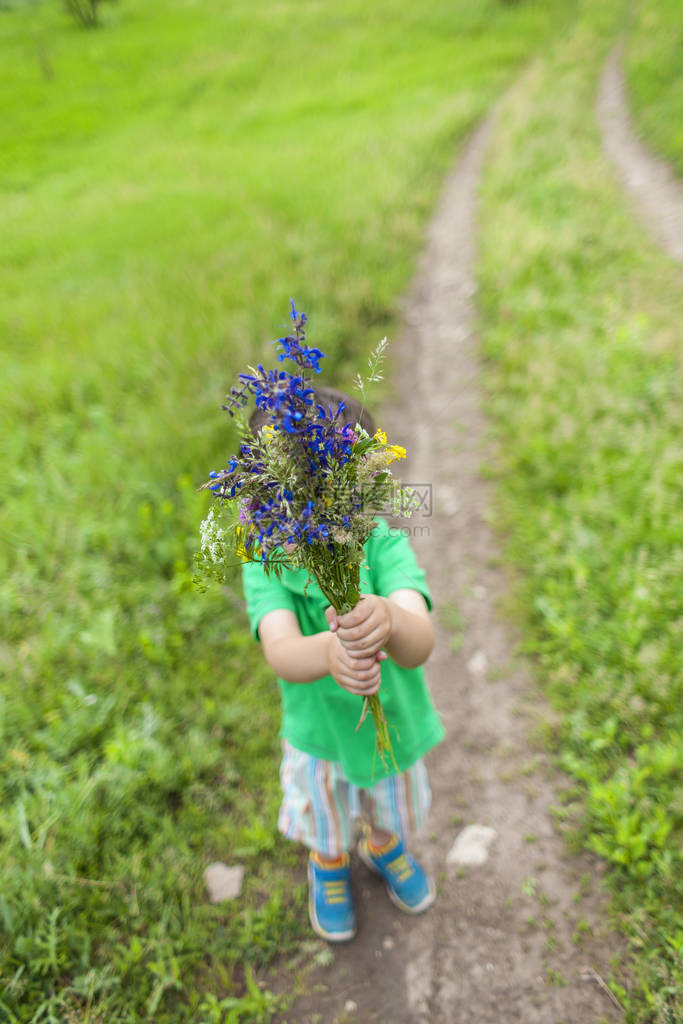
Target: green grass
point(587, 411)
point(166, 182)
point(654, 73)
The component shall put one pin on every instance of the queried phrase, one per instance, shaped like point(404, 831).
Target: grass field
point(654, 72)
point(587, 406)
point(166, 182)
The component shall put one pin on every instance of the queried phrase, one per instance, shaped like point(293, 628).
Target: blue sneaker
point(408, 885)
point(329, 900)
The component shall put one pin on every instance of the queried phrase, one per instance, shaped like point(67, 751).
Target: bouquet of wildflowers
point(304, 489)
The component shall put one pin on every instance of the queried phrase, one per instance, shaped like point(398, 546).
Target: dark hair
point(352, 413)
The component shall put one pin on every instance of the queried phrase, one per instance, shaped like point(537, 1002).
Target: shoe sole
point(318, 928)
point(423, 905)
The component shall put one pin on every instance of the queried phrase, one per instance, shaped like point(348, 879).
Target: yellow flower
point(396, 451)
point(241, 550)
point(268, 432)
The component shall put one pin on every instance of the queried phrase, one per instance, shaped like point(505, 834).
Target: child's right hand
point(357, 675)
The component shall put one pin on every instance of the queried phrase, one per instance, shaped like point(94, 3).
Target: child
point(330, 773)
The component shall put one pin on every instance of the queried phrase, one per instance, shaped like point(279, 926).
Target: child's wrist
point(330, 641)
point(390, 609)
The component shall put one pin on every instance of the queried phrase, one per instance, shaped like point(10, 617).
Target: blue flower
point(294, 347)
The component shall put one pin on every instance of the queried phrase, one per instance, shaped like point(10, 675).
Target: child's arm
point(303, 659)
point(399, 623)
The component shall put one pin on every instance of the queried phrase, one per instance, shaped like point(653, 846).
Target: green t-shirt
point(320, 718)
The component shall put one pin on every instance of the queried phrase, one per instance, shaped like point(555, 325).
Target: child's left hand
point(365, 629)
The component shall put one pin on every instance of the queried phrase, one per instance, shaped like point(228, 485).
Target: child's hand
point(365, 629)
point(357, 675)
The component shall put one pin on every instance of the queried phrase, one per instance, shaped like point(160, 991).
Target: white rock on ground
point(477, 664)
point(472, 845)
point(224, 882)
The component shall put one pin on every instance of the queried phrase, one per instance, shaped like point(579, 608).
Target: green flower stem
point(342, 589)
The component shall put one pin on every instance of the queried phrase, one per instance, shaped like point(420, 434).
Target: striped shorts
point(321, 809)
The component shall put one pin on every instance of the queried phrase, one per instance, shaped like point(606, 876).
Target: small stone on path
point(477, 664)
point(472, 845)
point(350, 1006)
point(223, 882)
point(388, 942)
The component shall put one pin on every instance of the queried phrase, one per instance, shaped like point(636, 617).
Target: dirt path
point(497, 947)
point(657, 194)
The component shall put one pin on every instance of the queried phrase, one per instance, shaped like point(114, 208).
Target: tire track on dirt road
point(656, 192)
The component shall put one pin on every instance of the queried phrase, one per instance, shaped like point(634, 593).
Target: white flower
point(212, 537)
